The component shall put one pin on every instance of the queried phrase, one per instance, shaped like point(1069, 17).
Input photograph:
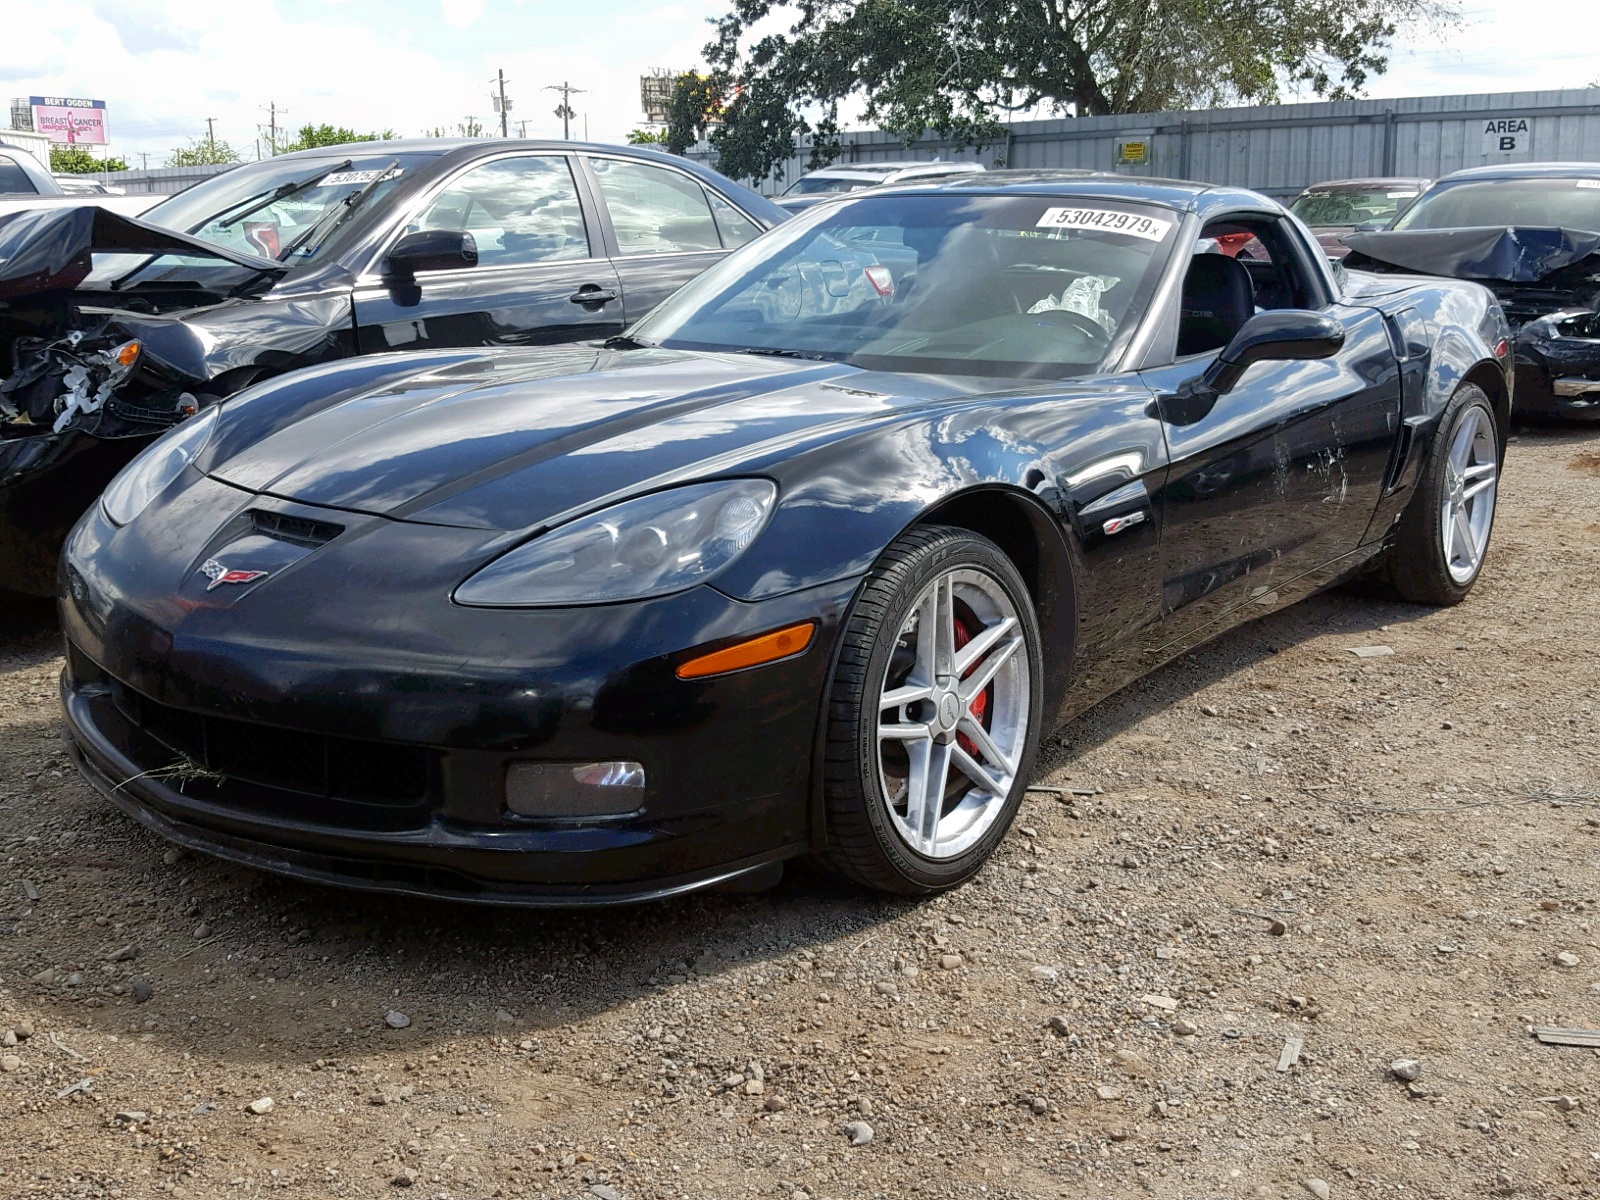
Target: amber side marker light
point(769, 647)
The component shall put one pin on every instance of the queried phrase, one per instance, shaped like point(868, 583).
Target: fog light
point(596, 789)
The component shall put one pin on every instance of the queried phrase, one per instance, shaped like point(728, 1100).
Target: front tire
point(933, 714)
point(1443, 538)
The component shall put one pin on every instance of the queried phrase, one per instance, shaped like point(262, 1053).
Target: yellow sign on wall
point(1133, 153)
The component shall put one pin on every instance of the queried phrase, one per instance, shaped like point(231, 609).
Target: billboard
point(70, 121)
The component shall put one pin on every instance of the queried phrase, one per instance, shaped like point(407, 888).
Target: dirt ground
point(1094, 1016)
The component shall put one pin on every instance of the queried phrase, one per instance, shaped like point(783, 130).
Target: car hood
point(46, 251)
point(512, 440)
point(1516, 254)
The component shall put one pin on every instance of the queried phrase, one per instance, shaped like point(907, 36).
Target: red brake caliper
point(980, 702)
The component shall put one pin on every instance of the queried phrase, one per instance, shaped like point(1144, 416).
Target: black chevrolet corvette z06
point(803, 564)
point(112, 328)
point(1531, 233)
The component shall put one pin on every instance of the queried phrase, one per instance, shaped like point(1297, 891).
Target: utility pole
point(564, 110)
point(273, 113)
point(211, 135)
point(504, 107)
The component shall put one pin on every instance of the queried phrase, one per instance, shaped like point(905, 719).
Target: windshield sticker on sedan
point(1589, 183)
point(345, 178)
point(1400, 195)
point(1105, 220)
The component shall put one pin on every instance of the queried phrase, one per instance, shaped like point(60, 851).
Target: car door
point(664, 227)
point(541, 278)
point(1279, 477)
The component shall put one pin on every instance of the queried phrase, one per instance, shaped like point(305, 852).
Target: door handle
point(592, 293)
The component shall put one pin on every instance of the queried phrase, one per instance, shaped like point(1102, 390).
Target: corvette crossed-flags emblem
point(219, 574)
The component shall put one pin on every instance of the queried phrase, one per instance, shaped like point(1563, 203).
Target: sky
point(164, 66)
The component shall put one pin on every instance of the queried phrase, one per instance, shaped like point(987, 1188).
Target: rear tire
point(933, 715)
point(1443, 539)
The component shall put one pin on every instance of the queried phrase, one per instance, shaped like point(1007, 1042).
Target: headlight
point(158, 466)
point(661, 543)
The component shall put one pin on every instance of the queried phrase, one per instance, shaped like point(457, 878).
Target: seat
point(1218, 298)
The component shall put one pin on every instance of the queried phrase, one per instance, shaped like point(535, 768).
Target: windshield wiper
point(336, 215)
point(773, 352)
point(623, 342)
point(261, 199)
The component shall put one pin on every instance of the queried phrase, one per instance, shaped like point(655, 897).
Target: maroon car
point(1347, 205)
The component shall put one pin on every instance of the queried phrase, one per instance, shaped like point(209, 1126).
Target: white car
point(834, 181)
point(24, 183)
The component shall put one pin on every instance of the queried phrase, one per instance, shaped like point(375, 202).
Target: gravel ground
point(1271, 843)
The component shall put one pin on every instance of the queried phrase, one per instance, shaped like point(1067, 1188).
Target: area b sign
point(1507, 135)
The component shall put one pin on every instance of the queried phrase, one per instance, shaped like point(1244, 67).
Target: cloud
point(461, 13)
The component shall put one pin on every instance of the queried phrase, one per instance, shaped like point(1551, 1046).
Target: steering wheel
point(1099, 338)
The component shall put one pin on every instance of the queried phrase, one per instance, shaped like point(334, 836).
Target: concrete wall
point(1278, 149)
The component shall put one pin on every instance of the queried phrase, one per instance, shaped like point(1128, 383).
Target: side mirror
point(1283, 335)
point(430, 250)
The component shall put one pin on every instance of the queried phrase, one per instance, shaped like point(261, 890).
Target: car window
point(1238, 268)
point(981, 285)
point(518, 210)
point(826, 185)
point(655, 210)
point(1551, 201)
point(14, 179)
point(1351, 206)
point(736, 228)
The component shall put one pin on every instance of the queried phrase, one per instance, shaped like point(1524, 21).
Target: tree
point(75, 160)
point(695, 108)
point(203, 152)
point(647, 137)
point(330, 135)
point(960, 67)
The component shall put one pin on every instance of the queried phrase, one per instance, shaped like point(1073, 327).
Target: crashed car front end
point(1548, 282)
point(91, 369)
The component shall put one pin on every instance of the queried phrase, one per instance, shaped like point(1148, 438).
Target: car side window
point(735, 227)
point(1239, 267)
point(518, 210)
point(14, 179)
point(655, 210)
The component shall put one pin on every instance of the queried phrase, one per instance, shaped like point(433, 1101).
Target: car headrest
point(1218, 298)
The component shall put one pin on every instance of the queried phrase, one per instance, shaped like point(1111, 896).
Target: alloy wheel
point(953, 714)
point(1472, 470)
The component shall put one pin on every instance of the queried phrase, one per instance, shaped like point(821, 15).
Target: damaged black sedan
point(808, 561)
point(114, 329)
point(1531, 233)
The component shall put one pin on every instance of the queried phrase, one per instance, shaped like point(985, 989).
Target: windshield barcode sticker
point(345, 178)
point(1105, 220)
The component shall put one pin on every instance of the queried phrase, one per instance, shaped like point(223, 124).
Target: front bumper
point(1558, 366)
point(260, 728)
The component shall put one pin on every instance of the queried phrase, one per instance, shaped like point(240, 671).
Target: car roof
point(1370, 181)
point(1544, 170)
point(450, 145)
point(1180, 194)
point(881, 167)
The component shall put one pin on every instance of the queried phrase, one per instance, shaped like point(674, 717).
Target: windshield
point(1031, 286)
point(1549, 202)
point(210, 210)
point(1351, 205)
point(818, 185)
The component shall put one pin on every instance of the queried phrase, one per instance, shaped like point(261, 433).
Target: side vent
point(296, 530)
